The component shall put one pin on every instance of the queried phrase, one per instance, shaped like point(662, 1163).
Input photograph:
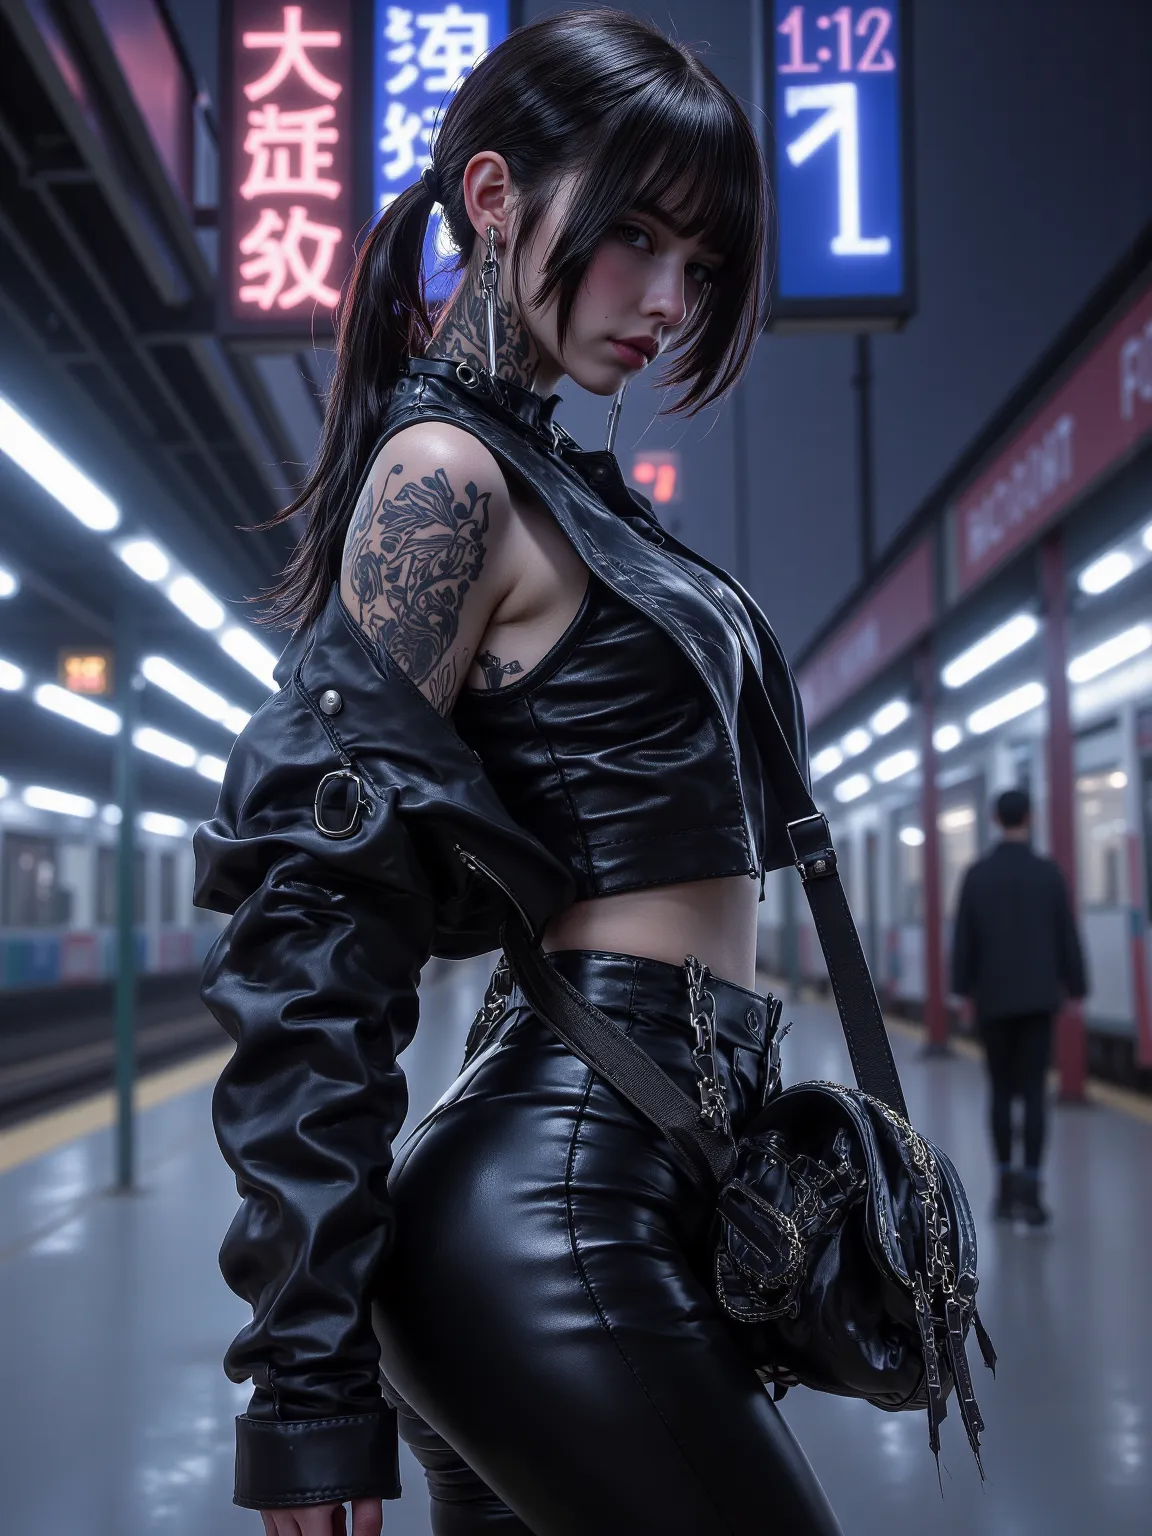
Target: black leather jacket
point(355, 836)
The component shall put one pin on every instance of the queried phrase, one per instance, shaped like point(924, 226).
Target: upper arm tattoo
point(411, 557)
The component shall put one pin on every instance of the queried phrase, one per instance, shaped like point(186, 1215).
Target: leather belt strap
point(590, 1034)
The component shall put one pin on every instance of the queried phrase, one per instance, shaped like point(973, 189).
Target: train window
point(1101, 836)
point(959, 846)
point(167, 887)
point(106, 855)
point(33, 897)
point(909, 882)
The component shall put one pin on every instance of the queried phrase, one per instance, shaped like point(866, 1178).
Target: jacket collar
point(499, 396)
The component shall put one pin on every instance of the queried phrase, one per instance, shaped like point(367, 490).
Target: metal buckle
point(821, 861)
point(362, 804)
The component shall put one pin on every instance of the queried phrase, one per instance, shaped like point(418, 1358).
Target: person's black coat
point(1015, 949)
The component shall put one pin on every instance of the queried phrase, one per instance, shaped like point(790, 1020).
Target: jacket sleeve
point(1070, 955)
point(964, 943)
point(315, 980)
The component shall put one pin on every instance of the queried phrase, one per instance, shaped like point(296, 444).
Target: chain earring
point(489, 282)
point(614, 416)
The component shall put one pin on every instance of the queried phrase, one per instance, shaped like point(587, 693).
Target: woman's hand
point(325, 1520)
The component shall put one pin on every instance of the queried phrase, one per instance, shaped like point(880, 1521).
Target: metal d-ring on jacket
point(356, 835)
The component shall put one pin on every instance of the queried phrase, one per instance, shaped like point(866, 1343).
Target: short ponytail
point(383, 319)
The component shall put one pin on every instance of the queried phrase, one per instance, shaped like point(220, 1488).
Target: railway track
point(56, 1077)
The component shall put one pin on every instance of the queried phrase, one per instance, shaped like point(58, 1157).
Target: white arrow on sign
point(840, 121)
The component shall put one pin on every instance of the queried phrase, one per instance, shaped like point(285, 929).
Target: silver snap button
point(330, 702)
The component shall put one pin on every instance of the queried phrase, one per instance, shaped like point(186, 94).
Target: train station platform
point(118, 1419)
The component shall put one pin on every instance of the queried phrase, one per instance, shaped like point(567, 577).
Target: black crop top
point(610, 752)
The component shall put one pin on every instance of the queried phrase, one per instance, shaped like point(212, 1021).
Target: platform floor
point(117, 1420)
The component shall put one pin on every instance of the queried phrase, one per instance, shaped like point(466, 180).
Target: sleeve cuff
point(281, 1463)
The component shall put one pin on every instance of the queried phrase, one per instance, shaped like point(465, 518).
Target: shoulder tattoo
point(411, 557)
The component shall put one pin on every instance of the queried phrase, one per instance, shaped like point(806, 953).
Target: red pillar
point(935, 1008)
point(1071, 1051)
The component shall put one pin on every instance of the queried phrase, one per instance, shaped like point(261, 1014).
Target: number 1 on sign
point(839, 121)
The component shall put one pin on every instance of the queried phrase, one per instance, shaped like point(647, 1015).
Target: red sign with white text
point(896, 614)
point(286, 164)
point(1097, 415)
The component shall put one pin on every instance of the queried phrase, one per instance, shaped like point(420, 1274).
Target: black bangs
point(680, 147)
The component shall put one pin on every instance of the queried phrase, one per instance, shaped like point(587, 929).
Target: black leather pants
point(548, 1329)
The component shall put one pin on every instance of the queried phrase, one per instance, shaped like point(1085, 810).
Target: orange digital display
point(287, 155)
point(657, 473)
point(86, 672)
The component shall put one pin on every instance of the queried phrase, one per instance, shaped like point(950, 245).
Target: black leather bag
point(845, 1249)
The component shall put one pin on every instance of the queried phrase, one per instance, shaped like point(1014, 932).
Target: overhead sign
point(841, 163)
point(421, 56)
point(1098, 415)
point(897, 613)
point(287, 196)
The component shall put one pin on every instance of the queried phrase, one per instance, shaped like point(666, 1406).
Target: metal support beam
point(865, 472)
point(1071, 1048)
point(935, 1005)
point(127, 696)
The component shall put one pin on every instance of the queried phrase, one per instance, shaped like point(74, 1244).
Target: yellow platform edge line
point(47, 1132)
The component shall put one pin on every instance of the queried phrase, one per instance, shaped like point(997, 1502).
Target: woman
point(512, 698)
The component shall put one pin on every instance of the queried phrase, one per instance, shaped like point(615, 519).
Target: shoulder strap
point(808, 833)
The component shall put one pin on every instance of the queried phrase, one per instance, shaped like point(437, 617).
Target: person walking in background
point(1016, 954)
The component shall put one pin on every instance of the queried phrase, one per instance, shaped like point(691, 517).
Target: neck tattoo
point(460, 334)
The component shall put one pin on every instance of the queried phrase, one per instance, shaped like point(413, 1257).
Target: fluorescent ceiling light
point(11, 677)
point(890, 716)
point(1101, 658)
point(236, 719)
point(912, 837)
point(41, 799)
point(826, 761)
point(1007, 707)
point(174, 680)
point(144, 557)
point(195, 602)
point(856, 741)
point(1105, 572)
point(9, 582)
point(211, 767)
point(163, 826)
point(59, 476)
point(1118, 780)
point(3, 786)
point(945, 737)
point(896, 766)
point(111, 816)
point(1147, 536)
point(851, 788)
point(250, 653)
point(167, 747)
point(74, 706)
point(995, 645)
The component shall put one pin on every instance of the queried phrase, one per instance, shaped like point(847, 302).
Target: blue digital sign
point(840, 93)
point(421, 54)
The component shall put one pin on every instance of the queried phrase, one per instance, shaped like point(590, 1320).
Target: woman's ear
point(488, 194)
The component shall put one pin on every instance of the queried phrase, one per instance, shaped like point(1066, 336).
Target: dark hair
point(641, 123)
point(1013, 808)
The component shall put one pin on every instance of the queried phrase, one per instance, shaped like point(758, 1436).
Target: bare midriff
point(715, 920)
